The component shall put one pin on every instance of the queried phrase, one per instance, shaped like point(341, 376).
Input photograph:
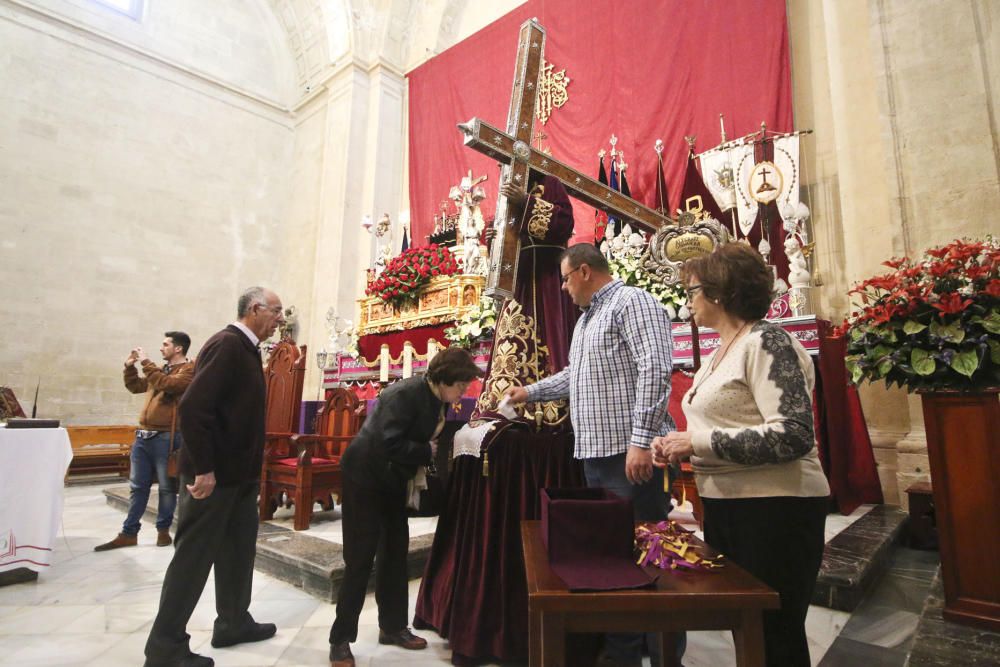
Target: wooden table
point(727, 599)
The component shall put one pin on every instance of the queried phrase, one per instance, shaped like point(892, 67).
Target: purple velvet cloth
point(474, 591)
point(536, 326)
point(589, 537)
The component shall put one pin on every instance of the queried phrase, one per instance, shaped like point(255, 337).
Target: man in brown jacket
point(157, 435)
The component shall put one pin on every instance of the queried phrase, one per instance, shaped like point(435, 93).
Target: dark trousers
point(650, 503)
point(375, 531)
point(219, 531)
point(779, 541)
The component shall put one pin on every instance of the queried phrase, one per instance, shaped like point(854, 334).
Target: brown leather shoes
point(163, 538)
point(404, 638)
point(121, 541)
point(341, 656)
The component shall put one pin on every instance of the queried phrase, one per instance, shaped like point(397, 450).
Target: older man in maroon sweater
point(222, 419)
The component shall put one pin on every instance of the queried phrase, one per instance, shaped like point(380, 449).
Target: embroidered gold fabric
point(541, 216)
point(519, 358)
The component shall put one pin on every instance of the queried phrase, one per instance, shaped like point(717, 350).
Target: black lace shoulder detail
point(794, 436)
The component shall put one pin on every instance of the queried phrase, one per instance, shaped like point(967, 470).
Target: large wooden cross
point(513, 149)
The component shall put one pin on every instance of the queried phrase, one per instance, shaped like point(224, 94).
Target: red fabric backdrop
point(644, 70)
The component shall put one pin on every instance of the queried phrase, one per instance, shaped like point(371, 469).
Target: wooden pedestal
point(963, 443)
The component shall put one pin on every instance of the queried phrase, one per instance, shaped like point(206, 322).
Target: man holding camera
point(157, 436)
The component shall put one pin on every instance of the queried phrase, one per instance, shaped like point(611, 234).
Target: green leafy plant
point(932, 323)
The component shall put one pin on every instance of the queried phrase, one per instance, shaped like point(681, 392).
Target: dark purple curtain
point(533, 329)
point(474, 592)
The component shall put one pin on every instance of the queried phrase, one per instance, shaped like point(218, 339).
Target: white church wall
point(135, 199)
point(238, 43)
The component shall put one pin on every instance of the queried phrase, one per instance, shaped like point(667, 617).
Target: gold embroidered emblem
point(519, 358)
point(541, 215)
point(552, 93)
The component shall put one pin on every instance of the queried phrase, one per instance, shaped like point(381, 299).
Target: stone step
point(313, 564)
point(856, 558)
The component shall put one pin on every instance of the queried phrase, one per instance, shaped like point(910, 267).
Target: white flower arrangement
point(629, 270)
point(476, 325)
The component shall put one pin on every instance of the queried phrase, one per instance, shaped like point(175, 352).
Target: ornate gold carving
point(518, 358)
point(541, 215)
point(552, 93)
point(446, 299)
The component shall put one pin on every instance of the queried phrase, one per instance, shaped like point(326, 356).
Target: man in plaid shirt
point(618, 384)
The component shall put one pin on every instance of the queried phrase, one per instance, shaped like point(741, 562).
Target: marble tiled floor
point(102, 605)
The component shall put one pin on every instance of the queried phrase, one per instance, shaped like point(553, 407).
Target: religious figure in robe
point(474, 591)
point(467, 196)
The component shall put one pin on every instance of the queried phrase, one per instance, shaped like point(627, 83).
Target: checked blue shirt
point(618, 377)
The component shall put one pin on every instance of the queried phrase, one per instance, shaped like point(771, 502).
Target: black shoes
point(403, 638)
point(341, 656)
point(190, 660)
point(255, 632)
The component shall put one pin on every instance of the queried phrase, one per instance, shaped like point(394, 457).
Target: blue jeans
point(149, 462)
point(650, 503)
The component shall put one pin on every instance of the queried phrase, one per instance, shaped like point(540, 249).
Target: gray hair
point(586, 253)
point(250, 296)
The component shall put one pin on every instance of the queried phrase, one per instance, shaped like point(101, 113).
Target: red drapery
point(370, 346)
point(641, 70)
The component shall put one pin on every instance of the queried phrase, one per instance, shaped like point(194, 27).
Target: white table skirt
point(33, 464)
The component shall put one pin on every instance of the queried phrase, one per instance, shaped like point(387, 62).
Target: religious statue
point(467, 195)
point(383, 243)
point(798, 270)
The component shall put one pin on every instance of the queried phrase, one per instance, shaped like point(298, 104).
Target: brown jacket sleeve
point(174, 384)
point(134, 383)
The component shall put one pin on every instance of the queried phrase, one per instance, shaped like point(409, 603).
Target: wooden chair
point(307, 471)
point(284, 376)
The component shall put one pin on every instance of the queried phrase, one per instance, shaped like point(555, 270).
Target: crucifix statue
point(513, 149)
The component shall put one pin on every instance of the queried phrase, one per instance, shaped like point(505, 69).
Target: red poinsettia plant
point(932, 323)
point(406, 274)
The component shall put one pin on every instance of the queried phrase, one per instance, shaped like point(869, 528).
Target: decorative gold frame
point(445, 299)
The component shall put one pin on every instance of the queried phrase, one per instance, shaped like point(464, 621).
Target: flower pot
point(963, 444)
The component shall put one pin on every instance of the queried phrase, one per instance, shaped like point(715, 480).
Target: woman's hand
point(434, 448)
point(672, 448)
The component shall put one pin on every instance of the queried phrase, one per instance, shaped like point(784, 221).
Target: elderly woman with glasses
point(751, 444)
point(397, 437)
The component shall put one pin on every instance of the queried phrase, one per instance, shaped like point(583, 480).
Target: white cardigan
point(751, 420)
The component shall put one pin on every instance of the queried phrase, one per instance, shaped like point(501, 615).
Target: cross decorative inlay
point(576, 180)
point(545, 163)
point(534, 45)
point(530, 85)
point(517, 177)
point(608, 196)
point(507, 268)
point(497, 140)
point(524, 126)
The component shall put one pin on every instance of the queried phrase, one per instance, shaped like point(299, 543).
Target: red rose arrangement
point(406, 274)
point(930, 324)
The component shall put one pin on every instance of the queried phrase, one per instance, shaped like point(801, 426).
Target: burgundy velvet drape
point(845, 448)
point(370, 347)
point(474, 591)
point(645, 70)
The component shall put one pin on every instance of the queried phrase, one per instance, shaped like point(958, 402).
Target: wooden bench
point(100, 449)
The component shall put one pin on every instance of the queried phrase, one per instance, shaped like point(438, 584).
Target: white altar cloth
point(33, 464)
